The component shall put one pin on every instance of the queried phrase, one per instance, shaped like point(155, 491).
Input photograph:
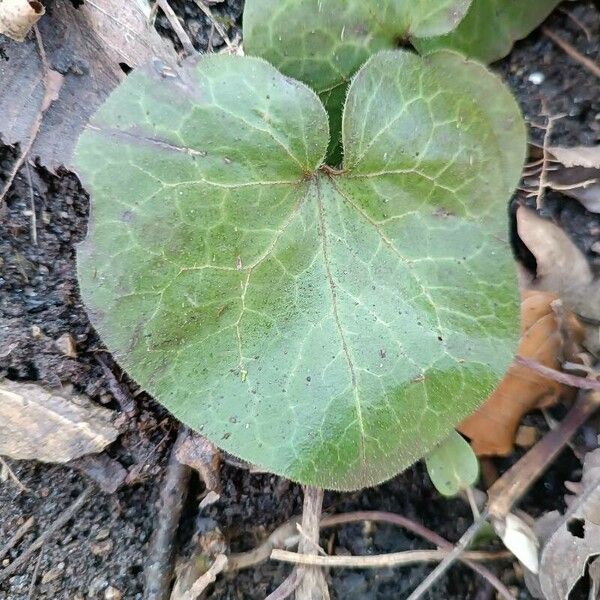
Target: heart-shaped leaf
point(491, 27)
point(331, 327)
point(323, 43)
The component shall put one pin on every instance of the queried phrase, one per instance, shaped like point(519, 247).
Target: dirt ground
point(104, 546)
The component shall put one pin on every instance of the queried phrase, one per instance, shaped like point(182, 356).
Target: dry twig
point(5, 468)
point(180, 32)
point(582, 383)
point(288, 587)
point(219, 565)
point(161, 554)
point(513, 484)
point(420, 530)
point(375, 561)
point(587, 62)
point(57, 524)
point(52, 83)
point(214, 22)
point(17, 537)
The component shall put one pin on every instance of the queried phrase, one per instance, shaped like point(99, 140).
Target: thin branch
point(420, 530)
point(200, 585)
point(513, 484)
point(161, 554)
point(449, 558)
point(180, 32)
point(579, 23)
point(288, 586)
point(393, 559)
point(52, 84)
point(5, 467)
point(17, 537)
point(280, 537)
point(214, 22)
point(35, 574)
point(592, 66)
point(582, 383)
point(57, 524)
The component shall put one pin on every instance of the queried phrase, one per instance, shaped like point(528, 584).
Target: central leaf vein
point(345, 347)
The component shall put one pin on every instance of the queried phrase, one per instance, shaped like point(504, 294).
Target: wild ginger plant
point(328, 323)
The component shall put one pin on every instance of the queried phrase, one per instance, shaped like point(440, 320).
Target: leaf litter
point(49, 426)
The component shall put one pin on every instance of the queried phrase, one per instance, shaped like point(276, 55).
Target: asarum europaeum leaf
point(324, 42)
point(490, 28)
point(329, 326)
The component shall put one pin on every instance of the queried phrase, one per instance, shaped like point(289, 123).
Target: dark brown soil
point(105, 545)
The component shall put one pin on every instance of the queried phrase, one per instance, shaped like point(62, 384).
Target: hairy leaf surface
point(324, 42)
point(491, 27)
point(330, 327)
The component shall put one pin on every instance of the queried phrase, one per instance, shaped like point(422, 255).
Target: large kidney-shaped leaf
point(329, 327)
point(324, 42)
point(491, 27)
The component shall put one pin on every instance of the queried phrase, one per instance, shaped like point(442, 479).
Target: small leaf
point(452, 465)
point(324, 42)
point(331, 328)
point(490, 28)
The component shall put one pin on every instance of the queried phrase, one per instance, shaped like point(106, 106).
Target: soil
point(104, 547)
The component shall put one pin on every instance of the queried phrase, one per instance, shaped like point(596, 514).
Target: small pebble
point(112, 593)
point(66, 344)
point(536, 78)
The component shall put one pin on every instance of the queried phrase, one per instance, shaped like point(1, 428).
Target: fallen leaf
point(17, 17)
point(492, 428)
point(577, 174)
point(90, 46)
point(41, 424)
point(561, 269)
point(577, 156)
point(520, 539)
point(571, 541)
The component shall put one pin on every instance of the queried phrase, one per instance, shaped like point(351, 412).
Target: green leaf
point(324, 42)
point(328, 327)
point(452, 465)
point(491, 27)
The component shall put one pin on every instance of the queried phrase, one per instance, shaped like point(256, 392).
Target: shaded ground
point(105, 545)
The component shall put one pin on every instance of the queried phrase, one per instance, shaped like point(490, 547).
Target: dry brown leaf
point(17, 17)
point(41, 424)
point(493, 427)
point(577, 156)
point(572, 541)
point(576, 173)
point(87, 45)
point(561, 269)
